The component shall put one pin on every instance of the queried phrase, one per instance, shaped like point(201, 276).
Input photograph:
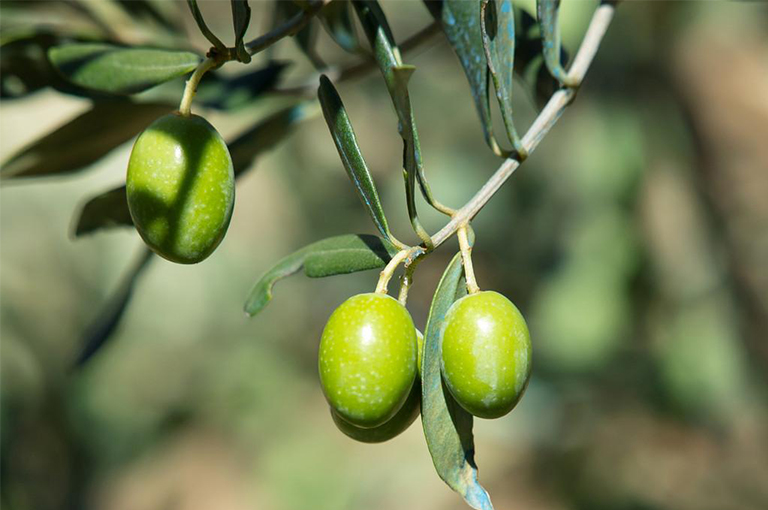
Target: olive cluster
point(180, 191)
point(370, 361)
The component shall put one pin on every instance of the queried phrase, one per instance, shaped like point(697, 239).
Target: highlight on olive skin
point(367, 359)
point(485, 354)
point(181, 187)
point(396, 425)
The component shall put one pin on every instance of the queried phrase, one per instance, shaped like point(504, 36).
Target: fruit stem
point(407, 280)
point(386, 273)
point(185, 107)
point(466, 259)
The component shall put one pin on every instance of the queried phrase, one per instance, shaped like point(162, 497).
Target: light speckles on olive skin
point(486, 354)
point(395, 426)
point(367, 359)
point(181, 187)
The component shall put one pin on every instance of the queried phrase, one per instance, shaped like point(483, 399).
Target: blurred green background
point(635, 241)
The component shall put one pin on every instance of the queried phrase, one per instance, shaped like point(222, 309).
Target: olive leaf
point(412, 161)
point(241, 18)
point(108, 318)
point(498, 30)
point(337, 21)
point(396, 77)
point(332, 256)
point(83, 140)
point(546, 12)
point(195, 10)
point(25, 67)
point(374, 23)
point(354, 163)
point(118, 70)
point(110, 209)
point(460, 21)
point(448, 427)
point(529, 59)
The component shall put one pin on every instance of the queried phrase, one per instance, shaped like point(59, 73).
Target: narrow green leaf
point(412, 161)
point(337, 20)
point(375, 25)
point(241, 18)
point(546, 12)
point(349, 151)
point(448, 427)
point(498, 29)
point(396, 77)
point(414, 169)
point(108, 210)
point(25, 67)
point(335, 255)
point(387, 56)
point(117, 70)
point(348, 254)
point(529, 59)
point(108, 319)
point(195, 10)
point(460, 20)
point(83, 140)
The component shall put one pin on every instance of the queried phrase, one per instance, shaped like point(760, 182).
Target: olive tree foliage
point(499, 44)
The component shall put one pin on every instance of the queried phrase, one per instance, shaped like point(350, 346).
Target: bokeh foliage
point(634, 241)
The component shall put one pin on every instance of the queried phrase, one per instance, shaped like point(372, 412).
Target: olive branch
point(97, 69)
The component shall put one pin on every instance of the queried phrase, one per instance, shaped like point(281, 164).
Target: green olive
point(486, 354)
point(367, 359)
point(420, 344)
point(181, 187)
point(395, 426)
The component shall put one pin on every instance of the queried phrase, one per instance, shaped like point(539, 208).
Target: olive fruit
point(486, 354)
point(396, 425)
point(181, 187)
point(367, 359)
point(391, 428)
point(420, 344)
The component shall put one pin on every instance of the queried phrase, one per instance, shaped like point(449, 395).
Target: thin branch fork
point(541, 126)
point(601, 19)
